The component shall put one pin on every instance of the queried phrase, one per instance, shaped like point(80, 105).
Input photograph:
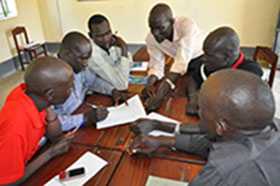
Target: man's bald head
point(75, 41)
point(221, 49)
point(48, 74)
point(75, 49)
point(160, 9)
point(239, 98)
point(161, 22)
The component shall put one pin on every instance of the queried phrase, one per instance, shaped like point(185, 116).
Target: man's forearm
point(34, 165)
point(173, 76)
point(192, 88)
point(152, 80)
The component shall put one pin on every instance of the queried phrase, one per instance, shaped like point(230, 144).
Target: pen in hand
point(91, 105)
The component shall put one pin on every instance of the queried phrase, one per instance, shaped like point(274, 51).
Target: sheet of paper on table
point(156, 116)
point(139, 66)
point(123, 113)
point(157, 181)
point(92, 164)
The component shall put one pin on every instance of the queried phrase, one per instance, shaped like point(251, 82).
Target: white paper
point(140, 66)
point(160, 117)
point(92, 164)
point(123, 113)
point(158, 181)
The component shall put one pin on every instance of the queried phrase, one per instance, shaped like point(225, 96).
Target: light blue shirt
point(83, 82)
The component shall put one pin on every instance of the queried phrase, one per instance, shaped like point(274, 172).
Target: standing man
point(109, 58)
point(179, 38)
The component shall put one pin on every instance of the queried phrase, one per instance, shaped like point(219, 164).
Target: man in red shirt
point(27, 116)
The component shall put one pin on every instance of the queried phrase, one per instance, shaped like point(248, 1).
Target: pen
point(91, 105)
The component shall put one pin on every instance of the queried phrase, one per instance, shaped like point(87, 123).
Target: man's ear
point(221, 127)
point(49, 93)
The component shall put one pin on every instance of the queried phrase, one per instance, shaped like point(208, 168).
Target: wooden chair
point(33, 49)
point(266, 57)
point(141, 54)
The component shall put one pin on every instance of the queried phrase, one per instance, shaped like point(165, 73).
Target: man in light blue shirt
point(76, 50)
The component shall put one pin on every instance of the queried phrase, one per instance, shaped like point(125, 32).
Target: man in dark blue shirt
point(236, 132)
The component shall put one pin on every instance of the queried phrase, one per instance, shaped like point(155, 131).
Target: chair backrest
point(141, 54)
point(265, 54)
point(19, 31)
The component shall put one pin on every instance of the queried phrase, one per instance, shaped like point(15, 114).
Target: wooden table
point(111, 145)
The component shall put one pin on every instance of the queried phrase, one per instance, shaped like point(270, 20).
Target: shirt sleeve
point(71, 121)
point(12, 161)
point(209, 176)
point(97, 84)
point(193, 143)
point(186, 48)
point(157, 59)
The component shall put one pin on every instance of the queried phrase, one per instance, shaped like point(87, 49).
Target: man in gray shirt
point(236, 133)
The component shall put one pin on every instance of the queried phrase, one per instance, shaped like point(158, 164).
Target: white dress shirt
point(186, 45)
point(112, 67)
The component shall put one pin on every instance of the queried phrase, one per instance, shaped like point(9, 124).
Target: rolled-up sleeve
point(189, 45)
point(71, 121)
point(157, 59)
point(193, 143)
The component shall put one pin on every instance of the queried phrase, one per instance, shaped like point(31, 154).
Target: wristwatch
point(171, 84)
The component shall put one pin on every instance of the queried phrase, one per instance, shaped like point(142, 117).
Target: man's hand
point(149, 144)
point(117, 41)
point(119, 96)
point(149, 90)
point(62, 145)
point(144, 126)
point(145, 145)
point(154, 102)
point(95, 115)
point(53, 127)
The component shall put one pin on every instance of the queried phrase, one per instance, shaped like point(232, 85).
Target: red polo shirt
point(21, 128)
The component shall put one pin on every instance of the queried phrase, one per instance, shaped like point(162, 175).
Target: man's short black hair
point(96, 19)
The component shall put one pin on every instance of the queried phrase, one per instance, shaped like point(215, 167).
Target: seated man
point(221, 50)
point(76, 50)
point(109, 58)
point(179, 38)
point(26, 117)
point(240, 138)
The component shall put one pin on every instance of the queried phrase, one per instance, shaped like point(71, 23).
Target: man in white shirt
point(109, 58)
point(179, 38)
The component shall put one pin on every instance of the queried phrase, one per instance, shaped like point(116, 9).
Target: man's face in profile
point(102, 35)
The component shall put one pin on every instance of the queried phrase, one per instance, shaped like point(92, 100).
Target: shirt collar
point(19, 95)
point(239, 61)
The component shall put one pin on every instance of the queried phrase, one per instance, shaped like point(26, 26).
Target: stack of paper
point(139, 66)
point(123, 113)
point(92, 164)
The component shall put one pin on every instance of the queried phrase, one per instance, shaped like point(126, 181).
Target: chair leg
point(30, 55)
point(21, 61)
point(45, 50)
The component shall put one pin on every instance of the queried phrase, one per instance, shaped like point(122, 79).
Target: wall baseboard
point(11, 65)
